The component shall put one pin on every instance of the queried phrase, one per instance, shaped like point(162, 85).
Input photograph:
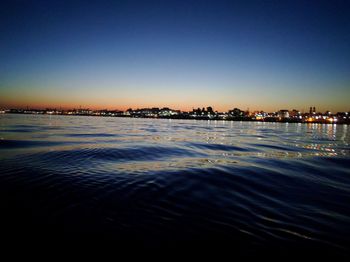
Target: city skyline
point(305, 109)
point(120, 54)
point(204, 113)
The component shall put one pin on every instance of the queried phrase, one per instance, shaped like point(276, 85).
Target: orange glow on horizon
point(42, 101)
point(101, 107)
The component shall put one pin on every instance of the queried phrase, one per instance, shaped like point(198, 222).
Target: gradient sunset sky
point(266, 55)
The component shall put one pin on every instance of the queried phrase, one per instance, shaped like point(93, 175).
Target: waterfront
point(236, 114)
point(262, 186)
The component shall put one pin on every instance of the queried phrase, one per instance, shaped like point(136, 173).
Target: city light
point(201, 113)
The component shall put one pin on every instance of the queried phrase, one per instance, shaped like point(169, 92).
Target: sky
point(256, 55)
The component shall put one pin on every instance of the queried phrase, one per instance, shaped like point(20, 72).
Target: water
point(248, 186)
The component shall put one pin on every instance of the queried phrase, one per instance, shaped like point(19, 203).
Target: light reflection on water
point(275, 184)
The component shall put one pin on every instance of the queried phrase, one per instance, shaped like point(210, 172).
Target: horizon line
point(123, 108)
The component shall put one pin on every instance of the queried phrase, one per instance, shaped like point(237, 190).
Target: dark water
point(246, 186)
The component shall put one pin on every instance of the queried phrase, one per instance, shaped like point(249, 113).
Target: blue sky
point(116, 54)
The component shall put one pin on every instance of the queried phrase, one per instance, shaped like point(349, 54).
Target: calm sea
point(246, 186)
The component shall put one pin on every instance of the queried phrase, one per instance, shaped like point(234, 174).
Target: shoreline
point(245, 119)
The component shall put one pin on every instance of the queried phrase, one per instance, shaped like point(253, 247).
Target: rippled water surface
point(259, 186)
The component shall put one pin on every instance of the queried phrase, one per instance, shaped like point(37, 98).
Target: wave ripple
point(266, 187)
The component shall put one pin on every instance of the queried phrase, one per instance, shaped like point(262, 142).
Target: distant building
point(294, 113)
point(167, 112)
point(312, 110)
point(283, 113)
point(260, 115)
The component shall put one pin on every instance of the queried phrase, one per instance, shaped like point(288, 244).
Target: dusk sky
point(266, 55)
